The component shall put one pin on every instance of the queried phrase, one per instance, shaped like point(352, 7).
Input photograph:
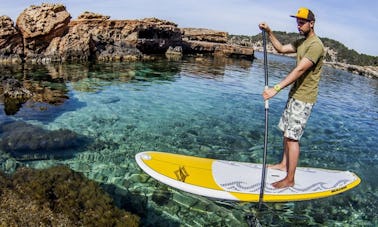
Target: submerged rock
point(28, 142)
point(57, 196)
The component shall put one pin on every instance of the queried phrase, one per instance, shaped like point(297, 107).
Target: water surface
point(204, 107)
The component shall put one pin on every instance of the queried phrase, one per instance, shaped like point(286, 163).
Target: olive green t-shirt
point(306, 87)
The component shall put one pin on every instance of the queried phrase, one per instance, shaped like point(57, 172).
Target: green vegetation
point(342, 53)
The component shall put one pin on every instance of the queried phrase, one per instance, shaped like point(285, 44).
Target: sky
point(351, 22)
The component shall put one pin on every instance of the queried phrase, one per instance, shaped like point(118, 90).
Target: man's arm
point(297, 72)
point(284, 49)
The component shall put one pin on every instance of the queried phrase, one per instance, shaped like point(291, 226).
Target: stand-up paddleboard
point(239, 181)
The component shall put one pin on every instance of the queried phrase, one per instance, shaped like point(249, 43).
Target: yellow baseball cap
point(304, 13)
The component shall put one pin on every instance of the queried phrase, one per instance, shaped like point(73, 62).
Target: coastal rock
point(202, 34)
point(218, 49)
point(175, 53)
point(98, 38)
point(155, 36)
point(39, 25)
point(46, 34)
point(92, 16)
point(11, 46)
point(369, 71)
point(228, 50)
point(207, 41)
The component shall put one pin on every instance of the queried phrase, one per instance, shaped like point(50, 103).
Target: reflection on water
point(198, 106)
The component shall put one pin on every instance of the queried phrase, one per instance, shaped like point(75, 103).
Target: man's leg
point(292, 155)
point(283, 164)
point(292, 123)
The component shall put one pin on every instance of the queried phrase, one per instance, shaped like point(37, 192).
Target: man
point(304, 79)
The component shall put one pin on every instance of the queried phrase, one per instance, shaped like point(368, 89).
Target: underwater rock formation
point(28, 142)
point(57, 196)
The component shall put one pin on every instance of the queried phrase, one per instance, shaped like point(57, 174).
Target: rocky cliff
point(46, 33)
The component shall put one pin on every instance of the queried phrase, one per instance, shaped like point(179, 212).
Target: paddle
point(262, 188)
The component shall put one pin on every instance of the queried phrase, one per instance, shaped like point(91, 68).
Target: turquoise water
point(209, 108)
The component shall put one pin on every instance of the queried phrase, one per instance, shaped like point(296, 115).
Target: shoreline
point(366, 71)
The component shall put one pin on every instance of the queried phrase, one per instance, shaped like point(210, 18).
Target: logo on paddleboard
point(181, 174)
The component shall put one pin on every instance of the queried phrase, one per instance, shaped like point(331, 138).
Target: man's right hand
point(264, 26)
point(269, 93)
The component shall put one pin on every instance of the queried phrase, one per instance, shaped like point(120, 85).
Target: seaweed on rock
point(58, 196)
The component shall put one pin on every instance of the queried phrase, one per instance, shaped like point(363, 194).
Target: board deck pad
point(241, 181)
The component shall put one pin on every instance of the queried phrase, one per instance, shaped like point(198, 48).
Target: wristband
point(277, 87)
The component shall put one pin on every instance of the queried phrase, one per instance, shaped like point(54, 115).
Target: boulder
point(39, 25)
point(11, 46)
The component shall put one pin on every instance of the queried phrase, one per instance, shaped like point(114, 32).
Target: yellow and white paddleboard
point(239, 181)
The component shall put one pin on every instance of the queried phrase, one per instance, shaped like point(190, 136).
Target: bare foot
point(278, 166)
point(284, 183)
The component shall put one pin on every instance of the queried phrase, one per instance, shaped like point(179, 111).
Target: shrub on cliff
point(58, 195)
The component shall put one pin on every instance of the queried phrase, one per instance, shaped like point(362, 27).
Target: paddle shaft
point(263, 172)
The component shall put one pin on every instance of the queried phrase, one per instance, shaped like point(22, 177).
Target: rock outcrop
point(368, 71)
point(46, 33)
point(11, 46)
point(209, 41)
point(39, 25)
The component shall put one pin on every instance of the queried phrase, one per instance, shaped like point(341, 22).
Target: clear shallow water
point(209, 108)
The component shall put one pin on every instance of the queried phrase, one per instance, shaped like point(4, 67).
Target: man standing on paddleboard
point(304, 79)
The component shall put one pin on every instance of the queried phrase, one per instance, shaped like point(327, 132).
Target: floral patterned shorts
point(294, 118)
